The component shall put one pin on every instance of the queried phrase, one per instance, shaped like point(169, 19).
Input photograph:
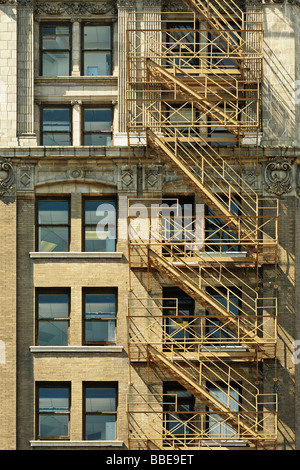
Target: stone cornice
point(74, 8)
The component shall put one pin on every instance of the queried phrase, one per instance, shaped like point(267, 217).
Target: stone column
point(76, 120)
point(76, 41)
point(25, 67)
point(124, 7)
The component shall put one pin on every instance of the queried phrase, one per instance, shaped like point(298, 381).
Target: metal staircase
point(209, 69)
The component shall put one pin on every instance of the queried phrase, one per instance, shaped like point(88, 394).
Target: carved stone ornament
point(6, 178)
point(278, 177)
point(75, 8)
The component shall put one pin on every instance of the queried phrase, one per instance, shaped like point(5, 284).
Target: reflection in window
point(218, 427)
point(56, 126)
point(97, 50)
point(99, 225)
point(53, 412)
point(56, 50)
point(53, 225)
point(53, 318)
point(100, 412)
point(100, 317)
point(97, 126)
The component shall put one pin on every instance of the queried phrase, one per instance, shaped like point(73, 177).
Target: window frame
point(41, 50)
point(38, 225)
point(58, 106)
point(107, 199)
point(53, 385)
point(83, 50)
point(103, 291)
point(51, 290)
point(84, 133)
point(102, 385)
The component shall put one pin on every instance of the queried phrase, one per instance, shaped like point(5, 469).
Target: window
point(179, 407)
point(96, 49)
point(181, 39)
point(218, 427)
point(53, 409)
point(53, 225)
point(177, 321)
point(217, 333)
point(97, 126)
point(219, 238)
point(55, 50)
point(100, 310)
point(99, 225)
point(56, 126)
point(100, 407)
point(52, 317)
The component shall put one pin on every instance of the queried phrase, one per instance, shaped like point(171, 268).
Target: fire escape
point(194, 97)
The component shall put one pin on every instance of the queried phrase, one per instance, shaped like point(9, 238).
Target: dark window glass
point(53, 225)
point(182, 45)
point(218, 427)
point(97, 50)
point(53, 412)
point(56, 126)
point(100, 225)
point(178, 314)
point(55, 50)
point(53, 319)
point(97, 126)
point(179, 407)
point(216, 331)
point(100, 413)
point(219, 238)
point(100, 317)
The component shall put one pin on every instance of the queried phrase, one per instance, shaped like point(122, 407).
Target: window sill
point(63, 443)
point(77, 79)
point(76, 349)
point(75, 255)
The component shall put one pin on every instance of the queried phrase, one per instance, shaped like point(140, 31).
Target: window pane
point(100, 400)
point(100, 305)
point(98, 210)
point(97, 119)
point(97, 140)
point(99, 240)
point(101, 428)
point(54, 426)
point(53, 239)
point(53, 400)
point(100, 331)
point(56, 64)
point(56, 120)
point(56, 37)
point(53, 306)
point(53, 333)
point(56, 140)
point(97, 63)
point(53, 212)
point(97, 37)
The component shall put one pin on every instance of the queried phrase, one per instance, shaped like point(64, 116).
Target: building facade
point(149, 221)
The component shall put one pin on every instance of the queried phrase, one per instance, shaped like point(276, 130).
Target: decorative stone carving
point(75, 8)
point(6, 178)
point(278, 177)
point(127, 180)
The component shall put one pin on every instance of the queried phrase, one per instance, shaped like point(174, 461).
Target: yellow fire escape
point(194, 98)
